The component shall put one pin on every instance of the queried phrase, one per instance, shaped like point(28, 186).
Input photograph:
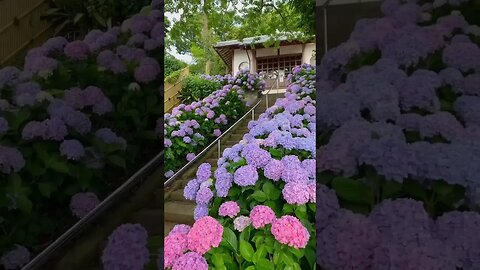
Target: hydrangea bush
point(398, 141)
point(79, 117)
point(267, 182)
point(190, 128)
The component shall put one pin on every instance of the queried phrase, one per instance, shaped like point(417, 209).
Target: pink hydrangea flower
point(174, 246)
point(205, 233)
point(262, 215)
point(191, 261)
point(290, 231)
point(217, 132)
point(190, 156)
point(230, 209)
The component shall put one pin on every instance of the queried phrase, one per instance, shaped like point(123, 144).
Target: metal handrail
point(83, 223)
point(218, 139)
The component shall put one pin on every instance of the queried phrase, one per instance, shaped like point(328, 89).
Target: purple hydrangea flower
point(83, 203)
point(109, 137)
point(111, 61)
point(126, 248)
point(296, 193)
point(190, 260)
point(191, 189)
point(15, 258)
point(200, 211)
point(147, 71)
point(77, 50)
point(204, 172)
point(204, 196)
point(72, 149)
point(223, 183)
point(245, 176)
point(273, 170)
point(4, 127)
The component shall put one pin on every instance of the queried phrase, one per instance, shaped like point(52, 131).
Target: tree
point(202, 23)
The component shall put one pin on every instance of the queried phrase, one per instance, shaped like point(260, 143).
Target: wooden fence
point(173, 90)
point(21, 28)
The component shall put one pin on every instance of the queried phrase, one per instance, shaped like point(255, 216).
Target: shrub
point(79, 117)
point(398, 141)
point(269, 177)
point(189, 128)
point(172, 64)
point(195, 88)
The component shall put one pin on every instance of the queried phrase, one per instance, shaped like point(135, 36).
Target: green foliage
point(195, 88)
point(172, 64)
point(82, 16)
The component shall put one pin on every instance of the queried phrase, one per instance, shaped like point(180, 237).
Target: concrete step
point(177, 195)
point(151, 219)
point(168, 226)
point(179, 212)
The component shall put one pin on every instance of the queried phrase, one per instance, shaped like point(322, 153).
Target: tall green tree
point(202, 23)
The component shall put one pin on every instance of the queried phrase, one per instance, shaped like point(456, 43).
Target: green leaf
point(414, 189)
point(261, 253)
point(60, 166)
point(24, 204)
point(218, 261)
point(231, 238)
point(78, 17)
point(287, 208)
point(311, 256)
point(117, 161)
point(272, 192)
point(246, 250)
point(46, 189)
point(287, 259)
point(352, 190)
point(264, 264)
point(276, 153)
point(301, 211)
point(259, 196)
point(251, 267)
point(390, 189)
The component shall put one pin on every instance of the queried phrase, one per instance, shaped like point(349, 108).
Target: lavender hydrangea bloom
point(402, 221)
point(200, 211)
point(347, 242)
point(191, 189)
point(111, 61)
point(83, 203)
point(468, 109)
point(273, 170)
point(245, 176)
point(459, 230)
point(147, 71)
point(256, 156)
point(109, 137)
point(204, 172)
point(204, 196)
point(72, 149)
point(296, 193)
point(8, 76)
point(223, 183)
point(345, 105)
point(463, 56)
point(77, 50)
point(11, 160)
point(126, 248)
point(4, 127)
point(55, 44)
point(327, 206)
point(41, 65)
point(15, 258)
point(49, 129)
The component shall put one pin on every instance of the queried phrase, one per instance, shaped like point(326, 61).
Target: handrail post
point(219, 149)
point(253, 114)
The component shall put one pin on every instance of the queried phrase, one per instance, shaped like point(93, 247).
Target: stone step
point(168, 226)
point(177, 195)
point(151, 219)
point(180, 212)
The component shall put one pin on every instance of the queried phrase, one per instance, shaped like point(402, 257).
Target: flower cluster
point(69, 114)
point(15, 258)
point(126, 248)
point(413, 110)
point(400, 226)
point(248, 82)
point(184, 246)
point(192, 126)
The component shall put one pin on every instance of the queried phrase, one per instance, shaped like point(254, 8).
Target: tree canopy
point(202, 23)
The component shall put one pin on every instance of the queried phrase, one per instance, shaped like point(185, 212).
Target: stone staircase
point(178, 210)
